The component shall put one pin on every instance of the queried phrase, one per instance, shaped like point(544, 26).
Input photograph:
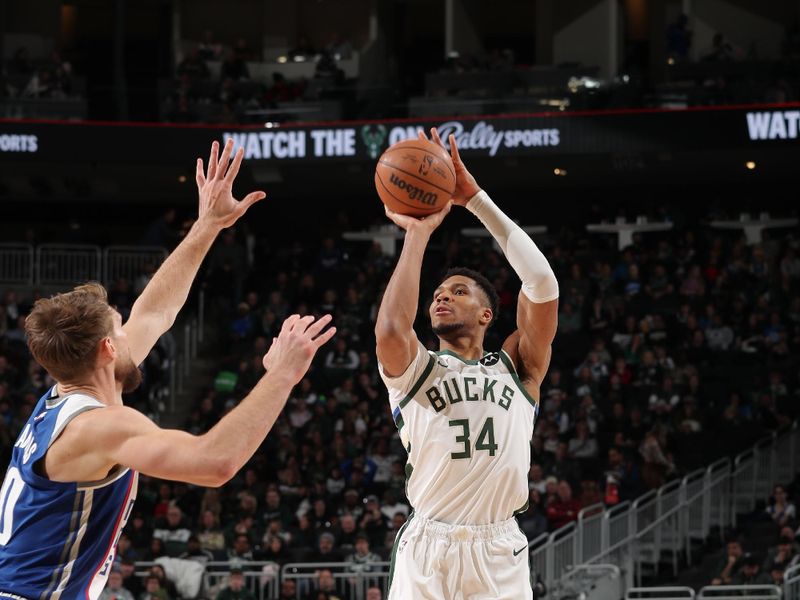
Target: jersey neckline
point(461, 358)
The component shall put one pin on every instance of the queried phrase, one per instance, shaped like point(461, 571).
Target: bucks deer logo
point(373, 137)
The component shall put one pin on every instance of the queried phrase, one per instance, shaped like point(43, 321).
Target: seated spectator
point(195, 552)
point(657, 465)
point(564, 508)
point(164, 582)
point(235, 590)
point(533, 521)
point(536, 478)
point(781, 510)
point(730, 564)
point(562, 466)
point(153, 590)
point(751, 573)
point(325, 552)
point(782, 556)
point(324, 587)
point(583, 445)
point(621, 478)
point(115, 590)
point(173, 531)
point(241, 549)
point(210, 535)
point(362, 560)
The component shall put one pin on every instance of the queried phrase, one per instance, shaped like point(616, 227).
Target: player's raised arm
point(537, 308)
point(122, 435)
point(394, 328)
point(155, 310)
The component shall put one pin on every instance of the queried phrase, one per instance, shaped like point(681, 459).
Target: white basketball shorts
point(436, 561)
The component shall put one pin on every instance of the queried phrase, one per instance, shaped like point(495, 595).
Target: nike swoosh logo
point(516, 552)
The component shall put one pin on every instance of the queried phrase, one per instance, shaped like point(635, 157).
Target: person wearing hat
point(751, 573)
point(236, 589)
point(325, 552)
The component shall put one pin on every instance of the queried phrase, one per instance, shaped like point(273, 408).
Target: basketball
point(415, 177)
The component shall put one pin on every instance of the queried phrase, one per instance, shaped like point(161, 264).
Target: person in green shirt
point(235, 589)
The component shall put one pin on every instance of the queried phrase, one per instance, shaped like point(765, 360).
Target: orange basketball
point(415, 177)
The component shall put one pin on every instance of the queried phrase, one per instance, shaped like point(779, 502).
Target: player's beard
point(445, 329)
point(128, 374)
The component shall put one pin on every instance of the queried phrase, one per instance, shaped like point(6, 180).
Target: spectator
point(153, 590)
point(564, 509)
point(115, 590)
point(751, 573)
point(235, 590)
point(362, 560)
point(730, 564)
point(781, 510)
point(195, 552)
point(173, 531)
point(781, 557)
point(325, 586)
point(582, 446)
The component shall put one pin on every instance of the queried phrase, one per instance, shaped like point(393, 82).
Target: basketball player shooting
point(72, 478)
point(465, 416)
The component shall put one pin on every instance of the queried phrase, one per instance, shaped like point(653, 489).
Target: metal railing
point(791, 583)
point(740, 592)
point(67, 264)
point(662, 524)
point(17, 264)
point(131, 262)
point(72, 264)
point(660, 593)
point(350, 580)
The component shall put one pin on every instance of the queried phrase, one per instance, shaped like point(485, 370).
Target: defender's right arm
point(123, 436)
point(394, 328)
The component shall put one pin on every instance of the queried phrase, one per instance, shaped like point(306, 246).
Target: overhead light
point(181, 178)
point(282, 59)
point(559, 172)
point(751, 165)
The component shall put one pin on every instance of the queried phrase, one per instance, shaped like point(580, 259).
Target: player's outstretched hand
point(218, 207)
point(424, 224)
point(466, 186)
point(297, 343)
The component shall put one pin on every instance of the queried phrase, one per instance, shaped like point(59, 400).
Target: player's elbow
point(221, 472)
point(387, 332)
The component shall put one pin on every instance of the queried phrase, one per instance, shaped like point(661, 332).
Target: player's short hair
point(486, 286)
point(63, 330)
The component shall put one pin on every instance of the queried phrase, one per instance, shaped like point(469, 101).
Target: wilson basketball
point(415, 177)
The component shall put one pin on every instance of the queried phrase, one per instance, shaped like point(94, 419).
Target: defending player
point(465, 416)
point(73, 475)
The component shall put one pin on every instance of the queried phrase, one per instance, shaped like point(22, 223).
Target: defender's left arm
point(155, 310)
point(537, 307)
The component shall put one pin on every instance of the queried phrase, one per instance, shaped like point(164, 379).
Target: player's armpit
point(126, 437)
point(530, 345)
point(395, 349)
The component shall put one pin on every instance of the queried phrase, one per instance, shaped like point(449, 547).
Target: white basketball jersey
point(467, 427)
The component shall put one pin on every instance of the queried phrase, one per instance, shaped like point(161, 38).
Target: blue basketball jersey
point(58, 540)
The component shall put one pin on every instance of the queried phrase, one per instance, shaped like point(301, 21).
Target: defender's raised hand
point(297, 343)
point(218, 207)
point(466, 186)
